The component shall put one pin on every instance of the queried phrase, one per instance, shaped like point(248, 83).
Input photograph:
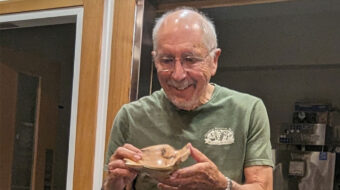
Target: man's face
point(184, 84)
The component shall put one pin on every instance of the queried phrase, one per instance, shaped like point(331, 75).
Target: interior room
point(286, 53)
point(37, 71)
point(269, 50)
point(65, 78)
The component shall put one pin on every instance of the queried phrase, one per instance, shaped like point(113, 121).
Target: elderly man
point(228, 130)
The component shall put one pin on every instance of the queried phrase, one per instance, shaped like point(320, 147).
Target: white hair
point(207, 26)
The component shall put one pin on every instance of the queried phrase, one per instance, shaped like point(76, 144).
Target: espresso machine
point(306, 150)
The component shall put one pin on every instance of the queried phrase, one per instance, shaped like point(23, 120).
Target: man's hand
point(202, 175)
point(119, 175)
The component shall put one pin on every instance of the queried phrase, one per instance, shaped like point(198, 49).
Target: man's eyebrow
point(166, 55)
point(184, 53)
point(189, 53)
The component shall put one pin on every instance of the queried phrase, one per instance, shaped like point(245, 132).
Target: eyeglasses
point(167, 62)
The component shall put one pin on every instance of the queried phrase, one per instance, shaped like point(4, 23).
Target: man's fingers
point(118, 178)
point(123, 173)
point(123, 152)
point(117, 164)
point(119, 174)
point(132, 148)
point(192, 170)
point(175, 182)
point(162, 186)
point(119, 167)
point(198, 155)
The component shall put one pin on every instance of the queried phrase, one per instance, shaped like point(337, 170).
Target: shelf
point(280, 67)
point(27, 124)
point(164, 5)
point(308, 148)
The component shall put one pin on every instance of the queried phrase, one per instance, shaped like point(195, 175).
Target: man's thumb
point(197, 155)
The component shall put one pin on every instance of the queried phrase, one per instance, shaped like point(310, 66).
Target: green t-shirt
point(232, 130)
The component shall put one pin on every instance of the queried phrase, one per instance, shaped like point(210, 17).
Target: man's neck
point(208, 93)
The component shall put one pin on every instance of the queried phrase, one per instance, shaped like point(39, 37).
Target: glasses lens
point(187, 62)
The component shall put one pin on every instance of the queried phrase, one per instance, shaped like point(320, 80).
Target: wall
point(282, 53)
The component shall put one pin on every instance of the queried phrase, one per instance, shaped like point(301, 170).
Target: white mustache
point(180, 85)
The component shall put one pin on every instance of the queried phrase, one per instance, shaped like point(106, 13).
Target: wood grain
point(89, 72)
point(88, 94)
point(121, 57)
point(16, 6)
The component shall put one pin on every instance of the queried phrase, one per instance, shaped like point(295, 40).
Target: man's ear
point(214, 63)
point(153, 54)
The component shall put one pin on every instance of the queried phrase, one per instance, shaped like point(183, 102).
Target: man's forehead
point(182, 47)
point(180, 42)
point(184, 15)
point(181, 29)
point(183, 18)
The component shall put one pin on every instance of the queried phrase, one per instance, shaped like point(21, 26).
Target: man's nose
point(179, 73)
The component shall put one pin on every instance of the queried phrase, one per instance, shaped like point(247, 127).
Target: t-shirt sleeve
point(258, 139)
point(118, 135)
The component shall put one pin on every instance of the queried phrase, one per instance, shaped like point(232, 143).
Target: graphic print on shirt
point(219, 136)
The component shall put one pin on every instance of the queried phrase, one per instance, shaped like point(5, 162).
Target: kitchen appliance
point(305, 154)
point(304, 170)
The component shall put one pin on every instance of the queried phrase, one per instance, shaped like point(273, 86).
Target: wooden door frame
point(77, 12)
point(91, 127)
point(17, 6)
point(103, 92)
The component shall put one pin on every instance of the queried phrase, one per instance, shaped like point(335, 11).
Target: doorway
point(39, 78)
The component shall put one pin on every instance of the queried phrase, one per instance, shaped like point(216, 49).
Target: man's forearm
point(257, 178)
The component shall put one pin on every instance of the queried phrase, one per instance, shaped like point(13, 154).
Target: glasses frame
point(173, 59)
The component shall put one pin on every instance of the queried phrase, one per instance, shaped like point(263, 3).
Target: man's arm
point(257, 178)
point(205, 175)
point(258, 171)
